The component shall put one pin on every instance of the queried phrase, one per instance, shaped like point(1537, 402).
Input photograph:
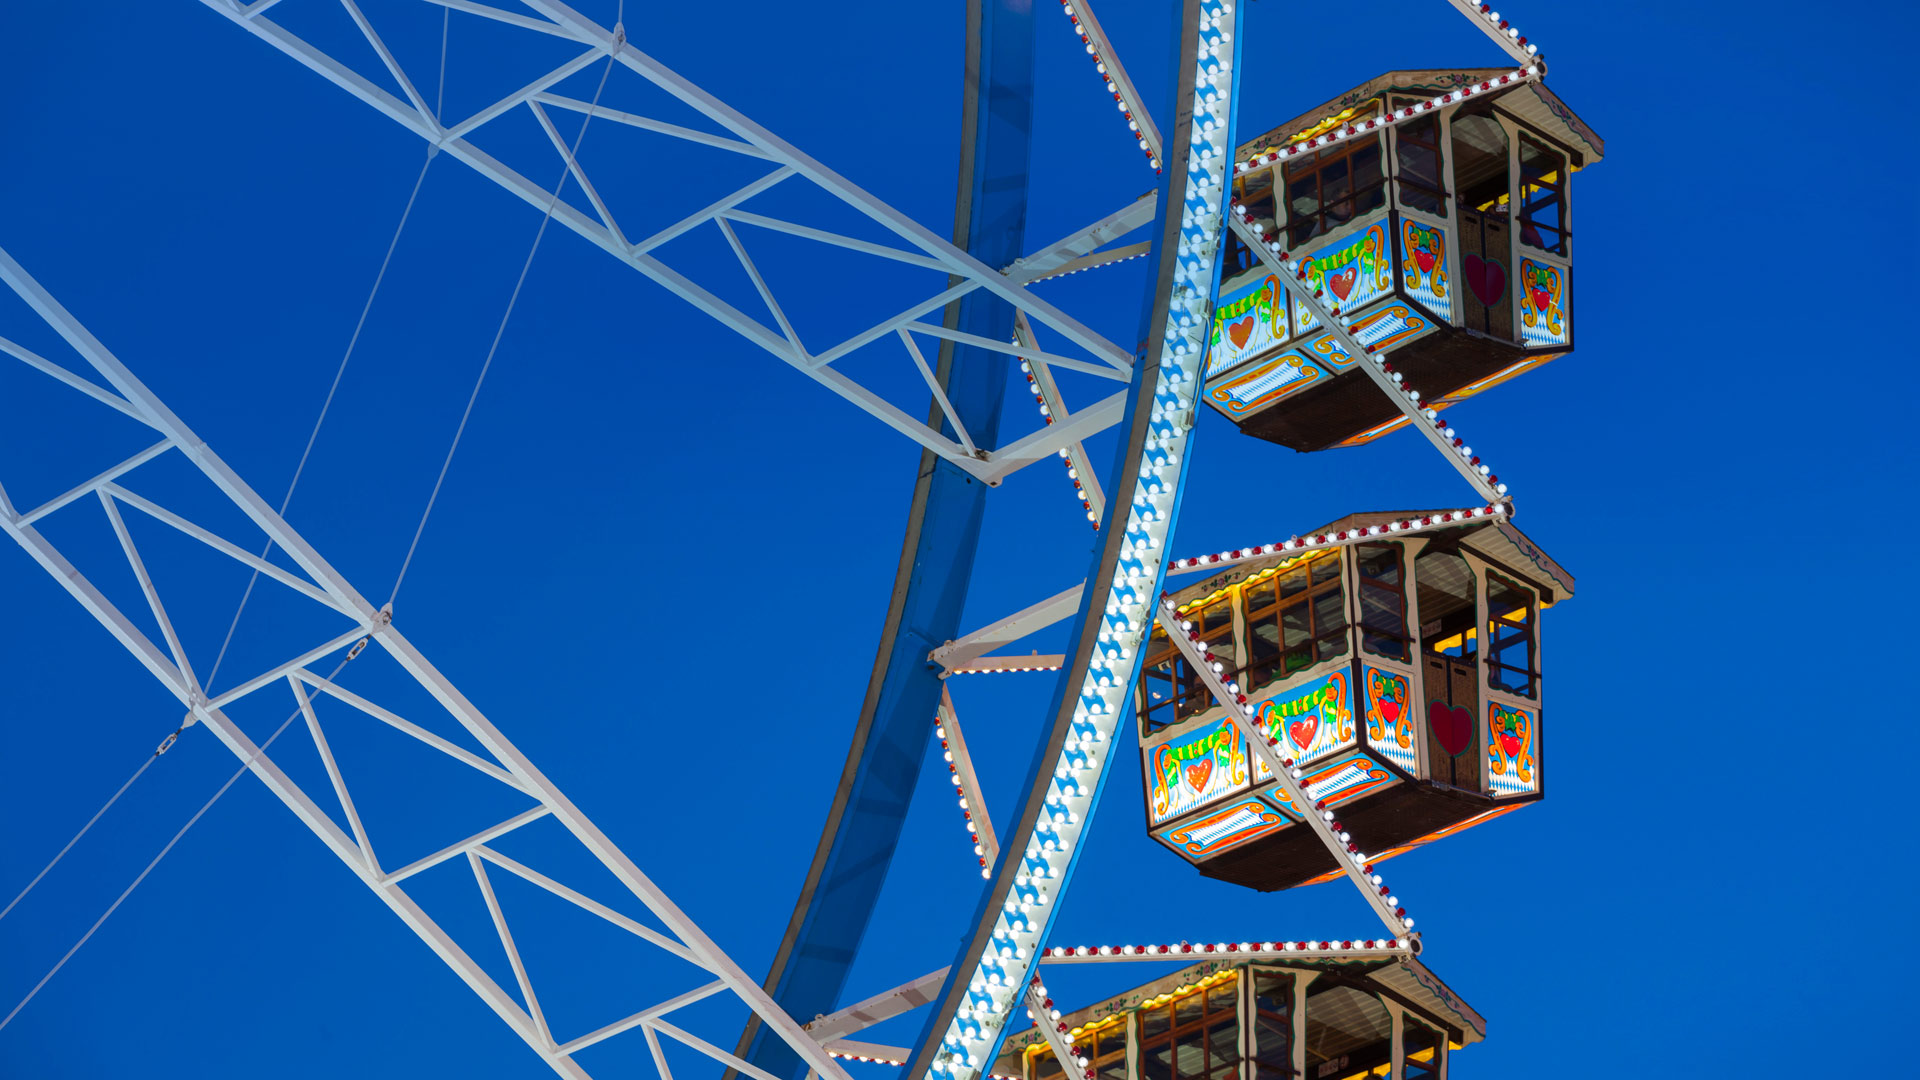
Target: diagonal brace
point(1292, 275)
point(1353, 863)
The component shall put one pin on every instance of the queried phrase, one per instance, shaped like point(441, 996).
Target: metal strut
point(1314, 812)
point(1293, 275)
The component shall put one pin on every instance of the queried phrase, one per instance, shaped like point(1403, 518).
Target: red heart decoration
point(1390, 709)
point(1198, 774)
point(1451, 725)
point(1509, 744)
point(1540, 299)
point(1342, 282)
point(1239, 332)
point(1425, 259)
point(1303, 730)
point(1487, 279)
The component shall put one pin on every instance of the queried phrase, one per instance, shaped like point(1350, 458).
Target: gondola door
point(1453, 701)
point(1485, 250)
point(1449, 665)
point(1481, 182)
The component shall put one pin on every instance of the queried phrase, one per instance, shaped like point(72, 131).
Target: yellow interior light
point(1297, 560)
point(1457, 641)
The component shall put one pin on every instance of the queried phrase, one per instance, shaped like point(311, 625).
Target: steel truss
point(923, 249)
point(502, 762)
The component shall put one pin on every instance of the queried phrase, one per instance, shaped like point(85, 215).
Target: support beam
point(574, 170)
point(1027, 620)
point(152, 594)
point(1082, 242)
point(96, 483)
point(641, 1017)
point(471, 843)
point(333, 776)
point(1185, 952)
point(939, 392)
point(1050, 440)
point(1503, 34)
point(274, 673)
point(972, 800)
point(866, 1051)
point(1086, 479)
point(1291, 274)
point(1118, 374)
point(513, 951)
point(232, 551)
point(1045, 1020)
point(986, 665)
point(62, 375)
point(885, 1005)
point(1098, 259)
point(1118, 84)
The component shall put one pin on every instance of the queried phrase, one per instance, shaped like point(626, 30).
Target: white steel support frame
point(1085, 477)
point(923, 248)
point(882, 1006)
point(1081, 12)
point(1351, 861)
point(1290, 273)
point(967, 781)
point(1503, 35)
point(957, 653)
point(866, 1051)
point(508, 766)
point(1244, 950)
point(1046, 1018)
point(1068, 254)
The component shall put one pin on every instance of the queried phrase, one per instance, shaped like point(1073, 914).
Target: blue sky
point(661, 560)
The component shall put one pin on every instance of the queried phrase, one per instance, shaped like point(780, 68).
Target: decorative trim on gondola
point(1442, 519)
point(1257, 950)
point(1262, 162)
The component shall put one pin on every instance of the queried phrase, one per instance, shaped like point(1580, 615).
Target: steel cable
point(425, 514)
point(128, 891)
point(545, 220)
point(299, 469)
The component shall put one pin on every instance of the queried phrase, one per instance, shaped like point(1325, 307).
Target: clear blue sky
point(661, 560)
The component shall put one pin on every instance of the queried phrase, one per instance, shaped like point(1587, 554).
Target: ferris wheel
point(1315, 321)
